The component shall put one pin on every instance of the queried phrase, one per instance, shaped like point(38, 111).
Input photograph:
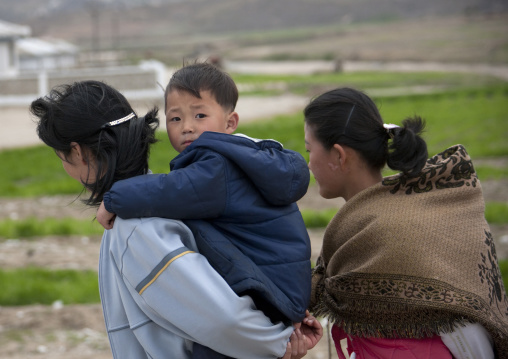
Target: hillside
point(236, 15)
point(442, 30)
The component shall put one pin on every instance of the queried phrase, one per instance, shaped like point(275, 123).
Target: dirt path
point(63, 332)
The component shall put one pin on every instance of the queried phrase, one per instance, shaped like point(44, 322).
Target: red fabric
point(377, 348)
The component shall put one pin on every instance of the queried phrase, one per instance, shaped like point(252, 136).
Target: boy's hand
point(297, 347)
point(105, 218)
point(312, 330)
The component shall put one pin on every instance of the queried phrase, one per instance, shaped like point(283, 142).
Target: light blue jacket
point(159, 296)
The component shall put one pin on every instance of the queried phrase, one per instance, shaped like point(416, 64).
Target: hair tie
point(119, 121)
point(389, 127)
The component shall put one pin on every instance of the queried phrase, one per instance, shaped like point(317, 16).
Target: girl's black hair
point(77, 112)
point(349, 117)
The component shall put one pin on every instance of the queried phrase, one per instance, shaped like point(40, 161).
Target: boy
point(238, 195)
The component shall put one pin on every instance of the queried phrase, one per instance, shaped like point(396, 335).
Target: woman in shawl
point(408, 267)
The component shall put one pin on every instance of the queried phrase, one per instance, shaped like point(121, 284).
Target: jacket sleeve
point(184, 294)
point(197, 191)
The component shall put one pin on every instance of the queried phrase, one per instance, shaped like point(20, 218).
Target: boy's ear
point(232, 122)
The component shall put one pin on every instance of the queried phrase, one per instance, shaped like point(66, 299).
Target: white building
point(49, 54)
point(9, 57)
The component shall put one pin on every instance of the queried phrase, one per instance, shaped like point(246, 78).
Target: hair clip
point(389, 127)
point(119, 121)
point(348, 118)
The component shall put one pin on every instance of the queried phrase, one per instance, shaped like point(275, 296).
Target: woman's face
point(323, 165)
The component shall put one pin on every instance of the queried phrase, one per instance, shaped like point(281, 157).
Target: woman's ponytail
point(407, 151)
point(351, 118)
point(124, 151)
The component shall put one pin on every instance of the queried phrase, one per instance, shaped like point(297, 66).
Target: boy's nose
point(187, 127)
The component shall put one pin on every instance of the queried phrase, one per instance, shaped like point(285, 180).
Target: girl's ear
point(232, 122)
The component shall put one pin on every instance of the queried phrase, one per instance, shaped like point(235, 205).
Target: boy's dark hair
point(77, 113)
point(349, 117)
point(198, 77)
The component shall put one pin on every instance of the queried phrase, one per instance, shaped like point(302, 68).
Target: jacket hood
point(281, 176)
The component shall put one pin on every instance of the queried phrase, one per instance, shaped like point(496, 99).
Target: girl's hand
point(105, 218)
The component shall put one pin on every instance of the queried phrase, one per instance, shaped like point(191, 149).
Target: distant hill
point(173, 29)
point(205, 16)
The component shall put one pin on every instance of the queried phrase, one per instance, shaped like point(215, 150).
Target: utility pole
point(93, 8)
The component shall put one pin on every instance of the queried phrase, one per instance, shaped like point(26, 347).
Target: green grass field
point(313, 84)
point(32, 285)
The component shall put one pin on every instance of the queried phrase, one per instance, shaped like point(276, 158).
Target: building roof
point(45, 47)
point(10, 30)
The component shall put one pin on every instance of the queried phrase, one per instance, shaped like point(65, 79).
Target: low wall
point(135, 82)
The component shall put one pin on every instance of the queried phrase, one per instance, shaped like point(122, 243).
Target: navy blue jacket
point(238, 196)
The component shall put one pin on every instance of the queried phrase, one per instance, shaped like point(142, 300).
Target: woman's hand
point(311, 329)
point(105, 218)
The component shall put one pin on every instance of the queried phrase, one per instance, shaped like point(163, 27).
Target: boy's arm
point(194, 192)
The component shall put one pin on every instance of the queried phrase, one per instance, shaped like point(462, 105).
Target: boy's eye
point(174, 119)
point(200, 115)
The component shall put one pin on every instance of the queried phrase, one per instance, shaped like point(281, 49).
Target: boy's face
point(187, 117)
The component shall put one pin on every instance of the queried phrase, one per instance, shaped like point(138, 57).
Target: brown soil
point(74, 331)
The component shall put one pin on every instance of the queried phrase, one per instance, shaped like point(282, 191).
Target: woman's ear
point(232, 122)
point(340, 155)
point(78, 153)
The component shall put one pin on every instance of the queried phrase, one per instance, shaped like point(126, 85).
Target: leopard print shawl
point(410, 257)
